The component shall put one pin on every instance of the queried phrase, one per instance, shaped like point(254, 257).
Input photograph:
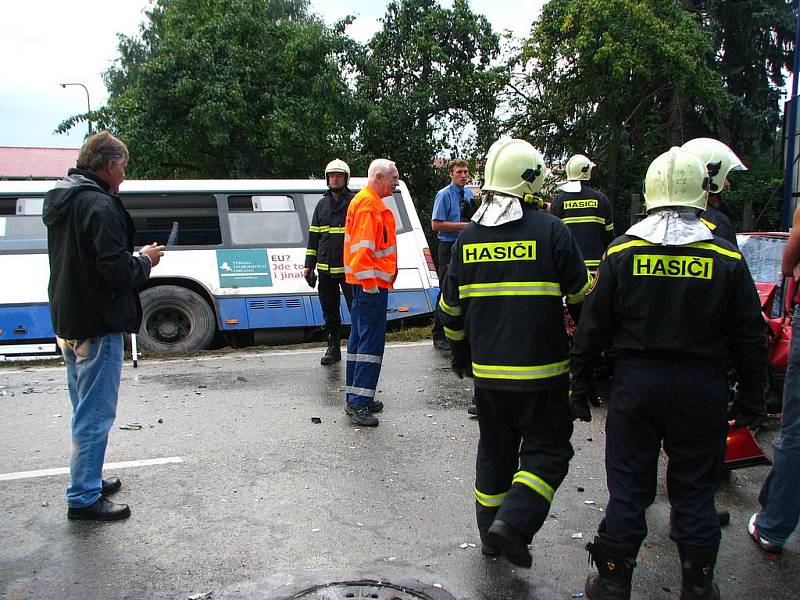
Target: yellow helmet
point(676, 178)
point(337, 166)
point(515, 168)
point(718, 158)
point(579, 168)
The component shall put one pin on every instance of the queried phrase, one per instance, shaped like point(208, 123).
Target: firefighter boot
point(615, 564)
point(333, 353)
point(697, 569)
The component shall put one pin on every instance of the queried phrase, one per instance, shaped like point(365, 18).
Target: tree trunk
point(675, 121)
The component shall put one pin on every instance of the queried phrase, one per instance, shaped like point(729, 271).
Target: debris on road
point(203, 596)
point(577, 536)
point(316, 420)
point(131, 426)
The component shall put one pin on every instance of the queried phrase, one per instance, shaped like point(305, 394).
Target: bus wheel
point(175, 319)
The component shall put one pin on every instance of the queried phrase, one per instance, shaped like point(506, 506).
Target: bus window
point(154, 214)
point(264, 220)
point(392, 202)
point(19, 229)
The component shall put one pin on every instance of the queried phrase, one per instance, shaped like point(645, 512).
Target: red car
point(763, 252)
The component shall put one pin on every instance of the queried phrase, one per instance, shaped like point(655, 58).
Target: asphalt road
point(255, 500)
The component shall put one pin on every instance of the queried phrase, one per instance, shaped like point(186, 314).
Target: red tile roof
point(25, 161)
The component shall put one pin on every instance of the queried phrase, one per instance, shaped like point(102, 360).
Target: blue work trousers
point(94, 367)
point(365, 345)
point(780, 494)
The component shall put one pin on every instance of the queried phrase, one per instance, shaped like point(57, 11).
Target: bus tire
point(175, 319)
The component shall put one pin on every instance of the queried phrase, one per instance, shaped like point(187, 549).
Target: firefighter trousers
point(523, 456)
point(328, 289)
point(681, 403)
point(365, 345)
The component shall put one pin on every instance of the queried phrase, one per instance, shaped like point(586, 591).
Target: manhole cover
point(379, 590)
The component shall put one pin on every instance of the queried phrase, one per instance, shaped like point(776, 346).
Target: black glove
point(460, 359)
point(748, 410)
point(311, 278)
point(579, 403)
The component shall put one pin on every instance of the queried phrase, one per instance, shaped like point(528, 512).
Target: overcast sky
point(47, 42)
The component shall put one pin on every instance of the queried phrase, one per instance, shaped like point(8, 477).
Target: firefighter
point(673, 301)
point(324, 251)
point(370, 258)
point(720, 160)
point(501, 307)
point(585, 211)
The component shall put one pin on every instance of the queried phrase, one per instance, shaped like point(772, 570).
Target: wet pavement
point(246, 496)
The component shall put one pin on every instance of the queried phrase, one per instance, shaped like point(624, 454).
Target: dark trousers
point(523, 456)
point(444, 253)
point(328, 290)
point(679, 402)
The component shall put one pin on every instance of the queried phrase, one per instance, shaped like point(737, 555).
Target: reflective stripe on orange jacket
point(370, 243)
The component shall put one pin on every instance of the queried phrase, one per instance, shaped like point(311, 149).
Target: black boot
point(333, 353)
point(615, 564)
point(697, 569)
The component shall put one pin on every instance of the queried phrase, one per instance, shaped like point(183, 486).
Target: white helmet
point(718, 158)
point(579, 168)
point(676, 178)
point(338, 166)
point(515, 168)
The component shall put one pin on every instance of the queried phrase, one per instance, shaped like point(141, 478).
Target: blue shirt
point(447, 207)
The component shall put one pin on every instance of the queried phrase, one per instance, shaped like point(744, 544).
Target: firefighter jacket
point(370, 242)
point(693, 301)
point(719, 224)
point(502, 296)
point(326, 234)
point(588, 215)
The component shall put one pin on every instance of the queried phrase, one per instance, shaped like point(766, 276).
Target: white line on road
point(108, 466)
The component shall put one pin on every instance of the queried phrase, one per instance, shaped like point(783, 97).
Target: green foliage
point(431, 90)
point(604, 77)
point(761, 185)
point(231, 88)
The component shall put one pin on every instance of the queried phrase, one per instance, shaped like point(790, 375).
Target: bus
point(233, 270)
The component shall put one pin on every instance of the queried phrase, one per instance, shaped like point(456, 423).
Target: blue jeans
point(780, 494)
point(365, 345)
point(94, 367)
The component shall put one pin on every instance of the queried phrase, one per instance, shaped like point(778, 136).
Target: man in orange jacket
point(370, 266)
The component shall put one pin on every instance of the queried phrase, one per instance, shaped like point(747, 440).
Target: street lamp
point(88, 105)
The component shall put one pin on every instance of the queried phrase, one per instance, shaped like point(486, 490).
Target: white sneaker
point(765, 545)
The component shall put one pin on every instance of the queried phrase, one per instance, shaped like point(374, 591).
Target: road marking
point(107, 467)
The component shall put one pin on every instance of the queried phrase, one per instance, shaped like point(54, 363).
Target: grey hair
point(379, 165)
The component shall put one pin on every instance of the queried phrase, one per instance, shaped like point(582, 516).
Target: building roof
point(23, 162)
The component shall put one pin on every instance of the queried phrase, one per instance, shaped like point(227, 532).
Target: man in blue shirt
point(453, 208)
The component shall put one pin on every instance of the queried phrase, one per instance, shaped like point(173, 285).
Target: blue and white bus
point(234, 269)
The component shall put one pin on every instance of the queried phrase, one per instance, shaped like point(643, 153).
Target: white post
point(134, 351)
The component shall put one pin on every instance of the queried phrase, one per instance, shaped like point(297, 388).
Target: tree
point(431, 89)
point(231, 88)
point(610, 78)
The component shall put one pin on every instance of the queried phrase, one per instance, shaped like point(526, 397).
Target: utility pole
point(791, 146)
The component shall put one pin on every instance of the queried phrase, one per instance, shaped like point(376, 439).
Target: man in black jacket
point(324, 251)
point(94, 300)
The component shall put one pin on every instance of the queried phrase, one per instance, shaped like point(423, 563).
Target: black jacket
point(326, 234)
point(719, 224)
point(589, 216)
point(695, 301)
point(502, 296)
point(94, 277)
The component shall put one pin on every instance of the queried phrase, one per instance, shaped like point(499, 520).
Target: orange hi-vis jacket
point(370, 243)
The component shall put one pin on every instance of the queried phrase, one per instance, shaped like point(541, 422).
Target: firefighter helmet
point(718, 158)
point(579, 168)
point(338, 166)
point(676, 178)
point(515, 168)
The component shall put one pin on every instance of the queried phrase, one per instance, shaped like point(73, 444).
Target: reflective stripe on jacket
point(370, 243)
point(326, 234)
